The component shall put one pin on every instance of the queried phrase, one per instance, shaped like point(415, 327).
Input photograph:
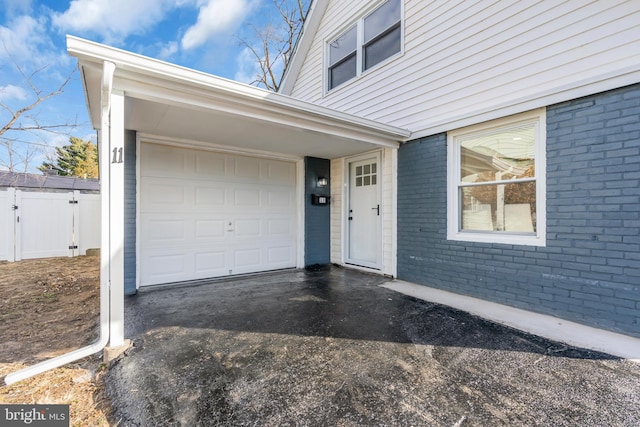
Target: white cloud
point(215, 17)
point(113, 20)
point(25, 38)
point(248, 67)
point(168, 50)
point(11, 92)
point(16, 7)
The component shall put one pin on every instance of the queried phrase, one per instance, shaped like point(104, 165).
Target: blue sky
point(200, 34)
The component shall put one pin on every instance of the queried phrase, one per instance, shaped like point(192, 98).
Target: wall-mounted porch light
point(322, 181)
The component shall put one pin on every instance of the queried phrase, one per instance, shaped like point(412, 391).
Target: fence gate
point(43, 225)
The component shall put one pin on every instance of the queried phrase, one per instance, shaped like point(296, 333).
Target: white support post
point(116, 217)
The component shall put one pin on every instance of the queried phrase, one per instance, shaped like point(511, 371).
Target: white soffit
point(176, 102)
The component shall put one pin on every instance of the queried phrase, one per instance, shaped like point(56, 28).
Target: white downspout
point(108, 70)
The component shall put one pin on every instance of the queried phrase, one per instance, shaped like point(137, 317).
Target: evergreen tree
point(78, 158)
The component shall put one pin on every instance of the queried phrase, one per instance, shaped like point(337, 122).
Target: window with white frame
point(496, 181)
point(367, 43)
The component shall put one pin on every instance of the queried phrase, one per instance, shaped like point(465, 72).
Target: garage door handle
point(377, 208)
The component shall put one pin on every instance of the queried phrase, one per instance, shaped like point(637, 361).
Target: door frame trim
point(378, 267)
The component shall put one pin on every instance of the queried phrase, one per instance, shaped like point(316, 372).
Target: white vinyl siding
point(337, 184)
point(469, 62)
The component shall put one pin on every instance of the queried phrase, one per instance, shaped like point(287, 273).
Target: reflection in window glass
point(382, 33)
point(342, 72)
point(382, 48)
point(501, 207)
point(499, 155)
point(370, 41)
point(498, 187)
point(342, 58)
point(343, 46)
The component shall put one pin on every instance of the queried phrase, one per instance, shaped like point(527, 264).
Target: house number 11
point(117, 155)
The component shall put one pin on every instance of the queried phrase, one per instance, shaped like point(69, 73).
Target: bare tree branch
point(276, 42)
point(25, 119)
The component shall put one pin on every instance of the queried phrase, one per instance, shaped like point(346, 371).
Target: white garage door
point(205, 214)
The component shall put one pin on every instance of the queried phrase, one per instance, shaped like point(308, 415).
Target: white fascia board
point(176, 95)
point(309, 29)
point(191, 85)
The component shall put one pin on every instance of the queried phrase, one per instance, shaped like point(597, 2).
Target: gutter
point(105, 276)
point(248, 99)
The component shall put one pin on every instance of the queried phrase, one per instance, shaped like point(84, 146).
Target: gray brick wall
point(589, 272)
point(130, 212)
point(317, 218)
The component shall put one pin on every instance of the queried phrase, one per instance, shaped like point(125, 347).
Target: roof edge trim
point(152, 69)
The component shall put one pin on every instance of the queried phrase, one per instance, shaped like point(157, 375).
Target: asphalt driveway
point(332, 348)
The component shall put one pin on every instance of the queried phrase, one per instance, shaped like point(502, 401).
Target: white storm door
point(363, 213)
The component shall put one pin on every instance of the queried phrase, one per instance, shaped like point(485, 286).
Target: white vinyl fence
point(36, 224)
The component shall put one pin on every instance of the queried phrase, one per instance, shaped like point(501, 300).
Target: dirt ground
point(49, 307)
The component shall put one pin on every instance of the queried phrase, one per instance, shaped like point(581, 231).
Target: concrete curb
point(546, 326)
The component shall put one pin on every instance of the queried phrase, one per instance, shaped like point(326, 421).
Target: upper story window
point(496, 182)
point(370, 41)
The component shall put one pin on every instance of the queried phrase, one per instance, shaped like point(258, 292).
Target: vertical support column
point(105, 200)
point(116, 218)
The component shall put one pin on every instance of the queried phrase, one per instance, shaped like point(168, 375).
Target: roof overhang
point(171, 101)
point(315, 14)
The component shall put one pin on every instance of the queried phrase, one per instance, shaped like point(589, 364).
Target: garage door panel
point(247, 257)
point(279, 255)
point(211, 262)
point(281, 173)
point(210, 165)
point(244, 197)
point(206, 197)
point(164, 267)
point(246, 169)
point(209, 229)
point(166, 230)
point(161, 160)
point(250, 227)
point(281, 199)
point(226, 214)
point(161, 194)
point(279, 228)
